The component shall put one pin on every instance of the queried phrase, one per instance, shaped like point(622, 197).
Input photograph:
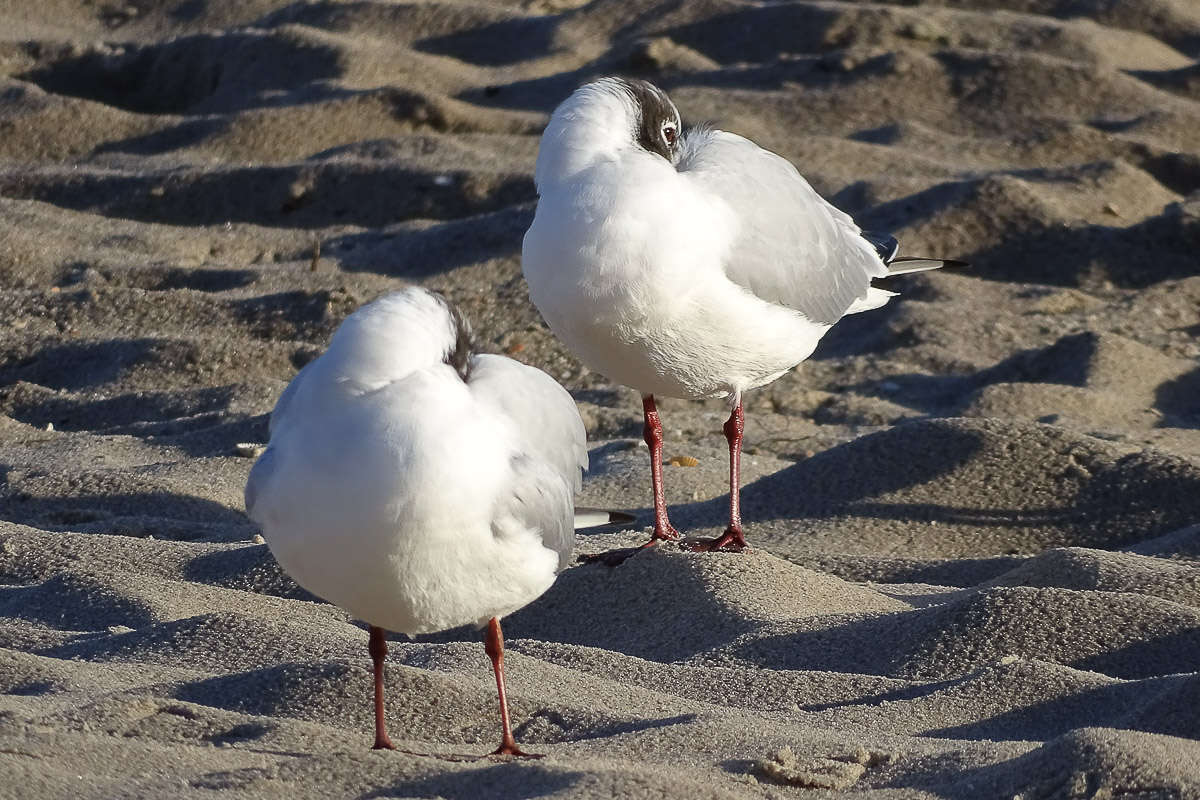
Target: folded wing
point(793, 247)
point(552, 447)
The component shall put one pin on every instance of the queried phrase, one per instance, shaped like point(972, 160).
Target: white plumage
point(691, 266)
point(414, 484)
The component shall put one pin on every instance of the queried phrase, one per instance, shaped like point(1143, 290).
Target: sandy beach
point(975, 513)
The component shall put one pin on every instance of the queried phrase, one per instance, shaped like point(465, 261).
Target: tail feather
point(601, 518)
point(906, 265)
point(887, 247)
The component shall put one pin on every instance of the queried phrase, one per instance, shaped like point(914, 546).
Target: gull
point(689, 265)
point(418, 485)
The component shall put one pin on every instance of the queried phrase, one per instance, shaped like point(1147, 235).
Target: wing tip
point(909, 264)
point(885, 244)
point(587, 518)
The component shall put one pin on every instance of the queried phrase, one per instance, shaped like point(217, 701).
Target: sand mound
point(1183, 544)
point(1090, 381)
point(1084, 761)
point(1011, 488)
point(975, 513)
point(1143, 637)
point(1097, 570)
point(661, 604)
point(203, 642)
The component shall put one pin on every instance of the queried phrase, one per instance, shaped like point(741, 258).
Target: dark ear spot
point(459, 356)
point(655, 109)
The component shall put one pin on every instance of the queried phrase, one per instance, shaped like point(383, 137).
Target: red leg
point(377, 647)
point(733, 428)
point(663, 529)
point(652, 433)
point(494, 645)
point(732, 539)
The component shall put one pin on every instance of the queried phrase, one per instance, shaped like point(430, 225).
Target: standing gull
point(690, 265)
point(417, 485)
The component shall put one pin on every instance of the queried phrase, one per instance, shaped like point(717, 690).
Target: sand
point(975, 513)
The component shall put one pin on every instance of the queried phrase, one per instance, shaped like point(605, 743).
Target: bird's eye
point(669, 133)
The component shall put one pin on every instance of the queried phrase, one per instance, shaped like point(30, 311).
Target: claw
point(617, 557)
point(514, 752)
point(731, 541)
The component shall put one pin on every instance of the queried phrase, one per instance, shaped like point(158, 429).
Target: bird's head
point(606, 117)
point(398, 333)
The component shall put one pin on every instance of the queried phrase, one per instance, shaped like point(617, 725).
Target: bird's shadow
point(862, 478)
point(833, 483)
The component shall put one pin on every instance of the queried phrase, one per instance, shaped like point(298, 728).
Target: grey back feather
point(794, 248)
point(551, 447)
point(541, 500)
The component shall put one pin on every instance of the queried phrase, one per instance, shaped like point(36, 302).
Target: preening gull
point(418, 485)
point(688, 264)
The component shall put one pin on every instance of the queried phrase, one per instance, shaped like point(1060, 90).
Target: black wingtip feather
point(601, 518)
point(884, 243)
point(947, 263)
